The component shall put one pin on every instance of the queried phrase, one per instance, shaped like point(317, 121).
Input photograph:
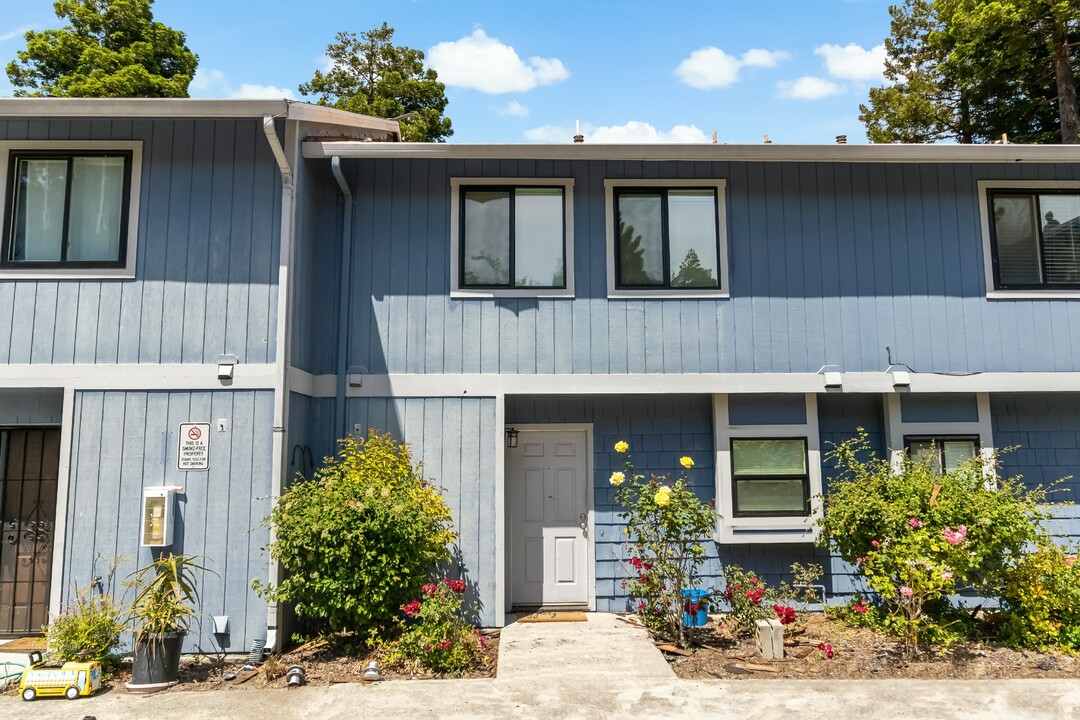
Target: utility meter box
point(157, 516)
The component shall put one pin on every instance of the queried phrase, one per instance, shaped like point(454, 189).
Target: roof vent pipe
point(841, 139)
point(578, 137)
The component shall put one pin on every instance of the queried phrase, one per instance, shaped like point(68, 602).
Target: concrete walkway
point(599, 669)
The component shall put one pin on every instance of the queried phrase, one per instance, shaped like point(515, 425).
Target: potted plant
point(162, 611)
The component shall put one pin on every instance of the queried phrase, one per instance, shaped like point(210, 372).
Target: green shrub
point(357, 541)
point(439, 638)
point(1041, 601)
point(919, 535)
point(668, 526)
point(87, 627)
point(751, 599)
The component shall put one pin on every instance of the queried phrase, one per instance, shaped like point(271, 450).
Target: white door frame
point(590, 541)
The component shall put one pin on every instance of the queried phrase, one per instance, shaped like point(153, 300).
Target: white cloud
point(711, 67)
point(214, 83)
point(756, 57)
point(248, 91)
point(16, 33)
point(852, 62)
point(806, 88)
point(486, 64)
point(514, 108)
point(631, 132)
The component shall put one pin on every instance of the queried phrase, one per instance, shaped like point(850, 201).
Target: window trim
point(125, 268)
point(804, 477)
point(611, 185)
point(457, 185)
point(896, 430)
point(985, 188)
point(732, 529)
point(941, 439)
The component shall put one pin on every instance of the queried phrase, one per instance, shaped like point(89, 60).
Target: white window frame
point(722, 292)
point(457, 291)
point(780, 529)
point(896, 430)
point(126, 272)
point(985, 186)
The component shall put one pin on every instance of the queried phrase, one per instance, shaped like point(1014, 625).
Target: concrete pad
point(602, 649)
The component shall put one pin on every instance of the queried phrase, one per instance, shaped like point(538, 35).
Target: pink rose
point(875, 543)
point(906, 591)
point(915, 523)
point(859, 560)
point(946, 575)
point(954, 537)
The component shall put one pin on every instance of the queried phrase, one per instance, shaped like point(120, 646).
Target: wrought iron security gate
point(29, 464)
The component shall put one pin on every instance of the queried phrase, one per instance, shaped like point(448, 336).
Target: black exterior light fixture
point(511, 437)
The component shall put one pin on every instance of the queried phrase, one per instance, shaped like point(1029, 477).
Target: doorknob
point(584, 523)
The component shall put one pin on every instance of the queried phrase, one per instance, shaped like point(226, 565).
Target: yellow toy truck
point(71, 680)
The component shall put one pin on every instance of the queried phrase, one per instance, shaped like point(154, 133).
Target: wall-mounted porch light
point(511, 437)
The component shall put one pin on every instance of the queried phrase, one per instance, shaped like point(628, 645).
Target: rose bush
point(437, 636)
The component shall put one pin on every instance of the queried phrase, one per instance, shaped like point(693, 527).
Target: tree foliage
point(110, 48)
point(972, 70)
point(372, 76)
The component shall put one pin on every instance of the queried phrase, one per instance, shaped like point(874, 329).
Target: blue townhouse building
point(197, 298)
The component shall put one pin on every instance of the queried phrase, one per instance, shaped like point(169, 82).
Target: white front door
point(548, 483)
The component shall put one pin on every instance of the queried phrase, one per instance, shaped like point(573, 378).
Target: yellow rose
point(621, 447)
point(663, 496)
point(686, 462)
point(617, 479)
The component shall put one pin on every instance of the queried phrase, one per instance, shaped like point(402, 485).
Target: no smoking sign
point(193, 452)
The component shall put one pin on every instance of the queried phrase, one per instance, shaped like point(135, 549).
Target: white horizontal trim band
point(492, 385)
point(136, 377)
point(704, 151)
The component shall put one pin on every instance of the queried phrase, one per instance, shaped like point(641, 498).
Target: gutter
point(281, 390)
point(345, 278)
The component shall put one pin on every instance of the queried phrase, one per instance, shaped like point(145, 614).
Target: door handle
point(584, 524)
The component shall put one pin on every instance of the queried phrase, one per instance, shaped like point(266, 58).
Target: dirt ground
point(861, 653)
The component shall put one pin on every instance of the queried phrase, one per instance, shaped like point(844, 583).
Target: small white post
point(770, 639)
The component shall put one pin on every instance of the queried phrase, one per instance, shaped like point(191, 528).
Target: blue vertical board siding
point(206, 267)
point(125, 441)
point(829, 263)
point(454, 439)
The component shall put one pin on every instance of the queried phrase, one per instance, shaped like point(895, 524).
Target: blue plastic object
point(695, 597)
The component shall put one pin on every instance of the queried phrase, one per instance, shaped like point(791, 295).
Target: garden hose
point(7, 666)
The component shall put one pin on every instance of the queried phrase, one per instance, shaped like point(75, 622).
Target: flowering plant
point(919, 535)
point(667, 525)
point(438, 637)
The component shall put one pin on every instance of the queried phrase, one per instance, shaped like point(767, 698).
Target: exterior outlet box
point(770, 639)
point(157, 517)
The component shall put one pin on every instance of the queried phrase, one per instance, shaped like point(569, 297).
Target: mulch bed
point(860, 653)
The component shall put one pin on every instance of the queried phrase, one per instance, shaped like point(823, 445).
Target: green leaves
point(372, 76)
point(111, 48)
point(358, 538)
point(166, 590)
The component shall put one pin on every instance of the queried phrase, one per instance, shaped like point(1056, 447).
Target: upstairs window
point(1035, 238)
point(513, 237)
point(67, 209)
point(667, 238)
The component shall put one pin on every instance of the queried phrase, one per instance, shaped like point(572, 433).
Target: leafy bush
point(919, 535)
point(166, 595)
point(668, 525)
point(358, 540)
point(439, 639)
point(87, 627)
point(751, 599)
point(1041, 601)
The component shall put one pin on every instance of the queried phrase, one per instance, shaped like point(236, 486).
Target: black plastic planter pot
point(155, 662)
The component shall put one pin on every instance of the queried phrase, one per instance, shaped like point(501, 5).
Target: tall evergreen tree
point(110, 48)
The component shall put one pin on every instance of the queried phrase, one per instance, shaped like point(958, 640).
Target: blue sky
point(523, 71)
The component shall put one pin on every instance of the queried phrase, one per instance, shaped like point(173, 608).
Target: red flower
point(429, 589)
point(859, 608)
point(443, 645)
point(754, 596)
point(784, 613)
point(457, 586)
point(412, 609)
point(641, 606)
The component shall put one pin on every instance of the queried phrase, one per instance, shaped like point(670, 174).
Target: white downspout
point(281, 363)
point(344, 314)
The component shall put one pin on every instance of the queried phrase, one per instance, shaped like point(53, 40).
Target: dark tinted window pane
point(1060, 218)
point(38, 232)
point(692, 238)
point(1017, 240)
point(487, 237)
point(641, 240)
point(538, 237)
